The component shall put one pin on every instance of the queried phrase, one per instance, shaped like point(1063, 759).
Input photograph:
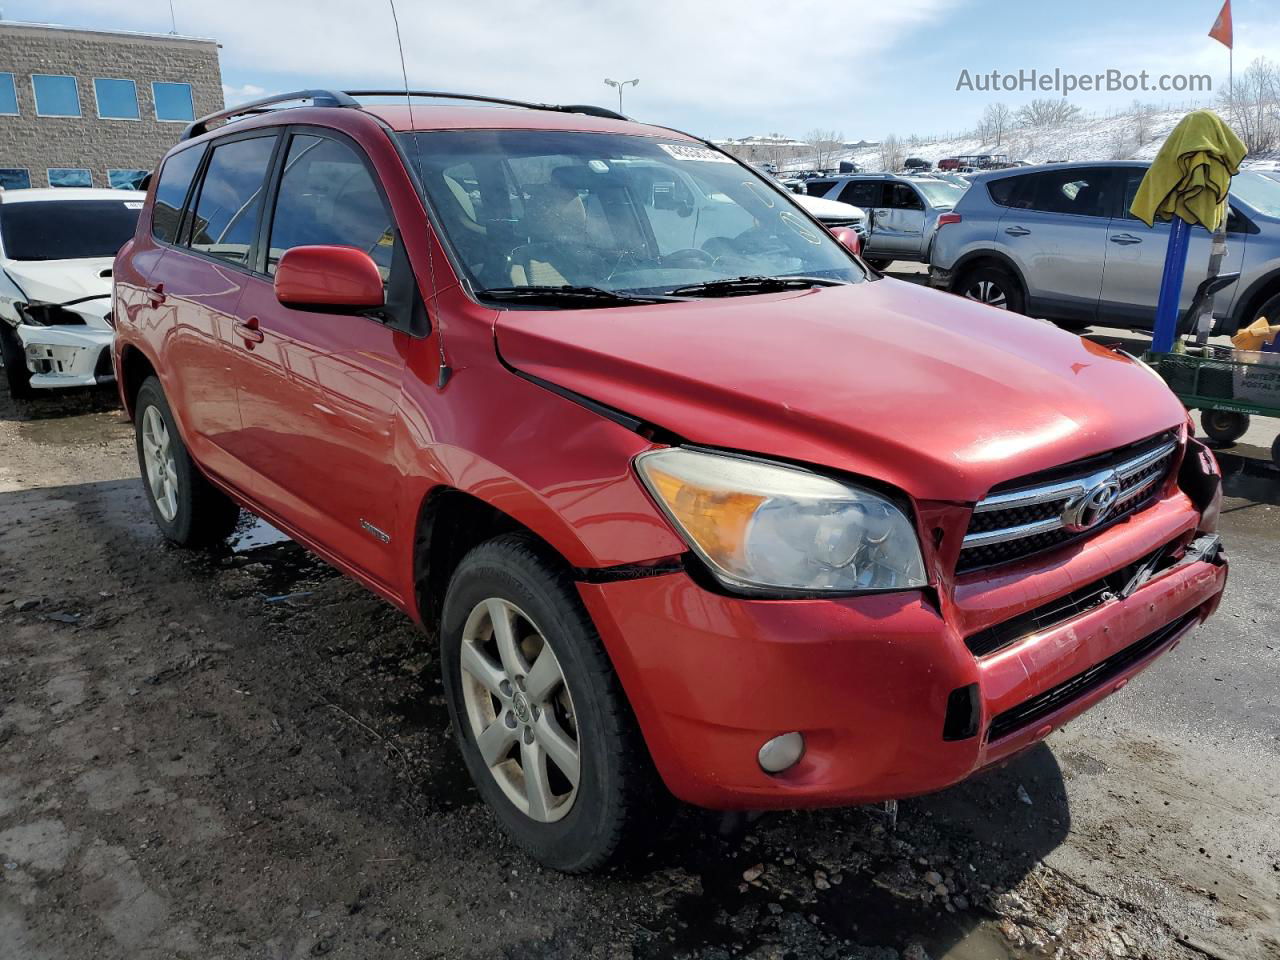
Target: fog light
point(781, 753)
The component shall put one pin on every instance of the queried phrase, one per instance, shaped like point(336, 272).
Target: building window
point(14, 178)
point(56, 96)
point(8, 96)
point(70, 177)
point(126, 179)
point(117, 99)
point(173, 101)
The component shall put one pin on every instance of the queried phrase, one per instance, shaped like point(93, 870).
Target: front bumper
point(67, 356)
point(868, 680)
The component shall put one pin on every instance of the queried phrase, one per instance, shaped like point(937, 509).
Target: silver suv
point(902, 211)
point(1058, 241)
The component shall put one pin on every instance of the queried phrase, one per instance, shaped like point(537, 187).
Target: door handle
point(248, 332)
point(156, 294)
point(1124, 239)
point(1017, 231)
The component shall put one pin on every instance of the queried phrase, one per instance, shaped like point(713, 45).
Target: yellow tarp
point(1192, 172)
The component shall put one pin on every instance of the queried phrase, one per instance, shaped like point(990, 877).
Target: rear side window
point(818, 188)
point(226, 214)
point(1003, 191)
point(171, 194)
point(863, 193)
point(327, 196)
point(1081, 192)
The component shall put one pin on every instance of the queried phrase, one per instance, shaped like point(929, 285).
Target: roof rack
point(346, 98)
point(319, 98)
point(583, 108)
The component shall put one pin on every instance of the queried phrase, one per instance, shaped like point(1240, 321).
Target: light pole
point(620, 84)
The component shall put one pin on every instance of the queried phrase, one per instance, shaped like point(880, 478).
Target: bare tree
point(825, 143)
point(996, 120)
point(1252, 106)
point(1046, 112)
point(890, 153)
point(1119, 143)
point(1142, 113)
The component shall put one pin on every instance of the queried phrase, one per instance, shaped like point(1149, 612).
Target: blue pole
point(1175, 265)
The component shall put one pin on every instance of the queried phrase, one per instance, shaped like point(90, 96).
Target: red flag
point(1222, 26)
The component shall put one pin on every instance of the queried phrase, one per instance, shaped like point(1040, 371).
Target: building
point(99, 108)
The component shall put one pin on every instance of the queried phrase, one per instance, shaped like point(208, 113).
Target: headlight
point(764, 526)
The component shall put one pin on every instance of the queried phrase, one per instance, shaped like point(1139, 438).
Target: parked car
point(833, 214)
point(1059, 242)
point(903, 211)
point(916, 165)
point(744, 522)
point(56, 247)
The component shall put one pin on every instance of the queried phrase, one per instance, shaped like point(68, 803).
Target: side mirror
point(849, 239)
point(329, 278)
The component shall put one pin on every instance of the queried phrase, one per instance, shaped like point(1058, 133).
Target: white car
point(56, 248)
point(834, 213)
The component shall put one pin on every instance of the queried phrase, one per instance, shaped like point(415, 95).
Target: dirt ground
point(244, 755)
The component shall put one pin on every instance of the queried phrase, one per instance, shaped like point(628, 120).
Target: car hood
point(937, 395)
point(57, 281)
point(822, 207)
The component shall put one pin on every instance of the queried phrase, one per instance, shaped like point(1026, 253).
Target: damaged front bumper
point(66, 356)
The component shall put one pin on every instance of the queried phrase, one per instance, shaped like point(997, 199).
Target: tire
point(877, 264)
point(188, 509)
point(15, 364)
point(1275, 451)
point(572, 828)
point(1224, 426)
point(993, 286)
point(1270, 310)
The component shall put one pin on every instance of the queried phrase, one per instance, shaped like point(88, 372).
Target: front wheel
point(544, 728)
point(189, 510)
point(1224, 426)
point(16, 371)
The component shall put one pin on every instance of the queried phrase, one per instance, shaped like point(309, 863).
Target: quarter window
point(56, 96)
point(818, 188)
point(173, 101)
point(126, 179)
point(117, 99)
point(8, 96)
point(226, 214)
point(171, 193)
point(1003, 191)
point(70, 177)
point(14, 178)
point(327, 196)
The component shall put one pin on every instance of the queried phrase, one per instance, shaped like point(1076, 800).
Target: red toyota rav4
point(690, 495)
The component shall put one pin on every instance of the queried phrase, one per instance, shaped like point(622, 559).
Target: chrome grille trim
point(1129, 472)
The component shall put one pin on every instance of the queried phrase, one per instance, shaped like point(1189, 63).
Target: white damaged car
point(56, 248)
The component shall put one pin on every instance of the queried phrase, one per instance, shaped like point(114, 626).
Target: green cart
point(1227, 385)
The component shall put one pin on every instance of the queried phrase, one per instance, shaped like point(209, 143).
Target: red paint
point(328, 277)
point(324, 422)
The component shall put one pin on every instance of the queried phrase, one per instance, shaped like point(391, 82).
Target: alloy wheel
point(162, 470)
point(988, 292)
point(520, 710)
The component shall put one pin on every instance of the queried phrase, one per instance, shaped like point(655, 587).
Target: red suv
point(690, 496)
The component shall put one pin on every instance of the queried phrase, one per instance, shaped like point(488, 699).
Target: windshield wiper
point(733, 286)
point(569, 296)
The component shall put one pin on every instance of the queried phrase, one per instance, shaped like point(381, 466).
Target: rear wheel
point(1224, 426)
point(993, 286)
point(15, 364)
point(189, 510)
point(542, 722)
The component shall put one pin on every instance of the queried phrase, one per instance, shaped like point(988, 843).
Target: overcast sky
point(867, 68)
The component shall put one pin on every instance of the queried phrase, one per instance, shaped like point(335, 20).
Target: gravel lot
point(244, 755)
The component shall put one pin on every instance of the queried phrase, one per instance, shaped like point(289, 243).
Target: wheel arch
point(1262, 290)
point(135, 367)
point(981, 258)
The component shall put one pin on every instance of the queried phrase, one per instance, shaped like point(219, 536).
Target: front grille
point(1025, 517)
point(1061, 609)
point(1043, 704)
point(841, 222)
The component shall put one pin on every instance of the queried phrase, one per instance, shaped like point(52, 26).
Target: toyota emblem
point(1086, 510)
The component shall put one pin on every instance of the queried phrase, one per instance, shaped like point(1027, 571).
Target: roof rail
point(583, 108)
point(319, 98)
